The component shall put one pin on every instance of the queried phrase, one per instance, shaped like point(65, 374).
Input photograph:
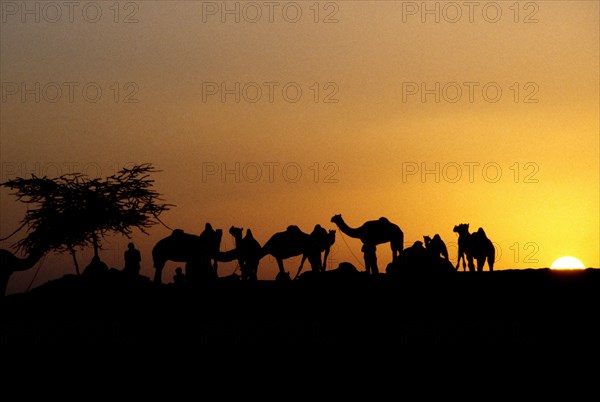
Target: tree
point(73, 211)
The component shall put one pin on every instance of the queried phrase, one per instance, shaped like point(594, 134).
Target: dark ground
point(513, 307)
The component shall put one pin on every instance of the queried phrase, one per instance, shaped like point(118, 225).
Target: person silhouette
point(132, 260)
point(179, 277)
point(369, 253)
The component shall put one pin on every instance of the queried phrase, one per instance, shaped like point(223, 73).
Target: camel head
point(427, 239)
point(462, 228)
point(236, 232)
point(331, 237)
point(336, 218)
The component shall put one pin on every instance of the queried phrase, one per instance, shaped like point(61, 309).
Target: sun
point(567, 262)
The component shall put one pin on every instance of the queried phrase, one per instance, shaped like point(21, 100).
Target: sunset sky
point(264, 115)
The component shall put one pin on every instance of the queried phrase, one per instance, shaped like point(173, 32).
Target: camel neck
point(347, 230)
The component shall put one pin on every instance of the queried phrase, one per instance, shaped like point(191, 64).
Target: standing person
point(132, 260)
point(369, 252)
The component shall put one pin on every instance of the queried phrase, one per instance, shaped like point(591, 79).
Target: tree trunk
point(72, 251)
point(95, 239)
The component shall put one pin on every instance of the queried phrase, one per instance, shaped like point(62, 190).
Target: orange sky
point(366, 139)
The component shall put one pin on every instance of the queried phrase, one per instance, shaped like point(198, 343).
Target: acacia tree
point(73, 211)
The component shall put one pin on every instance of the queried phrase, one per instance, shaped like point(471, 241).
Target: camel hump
point(293, 228)
point(177, 232)
point(437, 237)
point(481, 232)
point(384, 219)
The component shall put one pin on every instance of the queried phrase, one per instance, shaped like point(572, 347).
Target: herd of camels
point(201, 254)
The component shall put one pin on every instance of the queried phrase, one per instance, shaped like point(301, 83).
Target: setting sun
point(567, 262)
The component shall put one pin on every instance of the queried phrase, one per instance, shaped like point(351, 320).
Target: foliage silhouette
point(74, 211)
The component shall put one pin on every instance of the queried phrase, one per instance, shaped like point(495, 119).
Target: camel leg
point(280, 265)
point(324, 265)
point(243, 270)
point(464, 262)
point(375, 267)
point(301, 265)
point(158, 274)
point(253, 268)
point(471, 264)
point(490, 264)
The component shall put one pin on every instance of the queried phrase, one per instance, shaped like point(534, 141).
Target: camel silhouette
point(322, 240)
point(372, 233)
point(474, 246)
point(436, 246)
point(10, 263)
point(418, 260)
point(248, 253)
point(291, 243)
point(198, 252)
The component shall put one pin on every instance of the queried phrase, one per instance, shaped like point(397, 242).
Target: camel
point(198, 252)
point(322, 241)
point(372, 233)
point(249, 251)
point(290, 243)
point(10, 263)
point(419, 260)
point(436, 246)
point(474, 246)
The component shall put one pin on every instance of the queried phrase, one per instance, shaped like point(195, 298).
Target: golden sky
point(264, 115)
